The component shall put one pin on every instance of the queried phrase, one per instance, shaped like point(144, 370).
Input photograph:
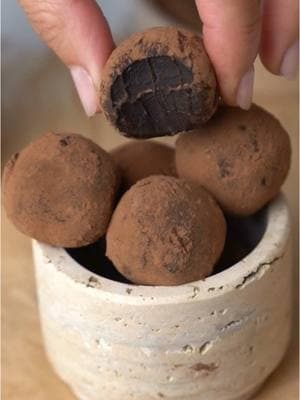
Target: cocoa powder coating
point(158, 82)
point(165, 231)
point(61, 190)
point(241, 157)
point(139, 159)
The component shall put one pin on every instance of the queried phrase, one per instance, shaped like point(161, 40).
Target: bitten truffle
point(241, 157)
point(165, 231)
point(139, 159)
point(158, 82)
point(61, 190)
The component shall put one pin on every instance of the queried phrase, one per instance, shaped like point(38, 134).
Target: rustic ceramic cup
point(216, 339)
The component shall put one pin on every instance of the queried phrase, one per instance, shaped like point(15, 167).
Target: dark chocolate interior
point(156, 96)
point(243, 234)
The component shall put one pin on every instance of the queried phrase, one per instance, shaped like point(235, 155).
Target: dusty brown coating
point(60, 190)
point(158, 82)
point(140, 159)
point(241, 157)
point(165, 231)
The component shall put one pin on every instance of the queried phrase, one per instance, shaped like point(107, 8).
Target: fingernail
point(86, 89)
point(245, 90)
point(290, 63)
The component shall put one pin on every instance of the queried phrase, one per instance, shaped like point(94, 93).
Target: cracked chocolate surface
point(156, 97)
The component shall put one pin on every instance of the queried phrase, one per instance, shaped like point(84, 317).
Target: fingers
point(79, 34)
point(279, 50)
point(231, 34)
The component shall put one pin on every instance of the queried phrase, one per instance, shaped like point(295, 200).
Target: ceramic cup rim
point(270, 248)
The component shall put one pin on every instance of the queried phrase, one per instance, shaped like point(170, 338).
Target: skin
point(234, 32)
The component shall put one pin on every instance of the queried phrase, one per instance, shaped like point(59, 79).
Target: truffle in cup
point(241, 157)
point(165, 231)
point(61, 190)
point(139, 159)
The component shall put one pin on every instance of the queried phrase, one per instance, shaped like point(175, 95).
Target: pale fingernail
point(86, 89)
point(290, 63)
point(245, 90)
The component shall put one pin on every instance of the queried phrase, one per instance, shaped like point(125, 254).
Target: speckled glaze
point(216, 339)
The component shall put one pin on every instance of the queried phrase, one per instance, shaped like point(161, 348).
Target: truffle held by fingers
point(158, 82)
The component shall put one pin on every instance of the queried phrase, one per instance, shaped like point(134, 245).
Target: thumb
point(231, 34)
point(78, 33)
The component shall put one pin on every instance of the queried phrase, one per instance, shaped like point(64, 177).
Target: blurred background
point(38, 95)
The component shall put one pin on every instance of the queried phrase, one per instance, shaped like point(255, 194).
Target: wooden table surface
point(45, 99)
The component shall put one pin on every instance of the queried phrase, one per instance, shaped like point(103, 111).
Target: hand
point(79, 34)
point(234, 32)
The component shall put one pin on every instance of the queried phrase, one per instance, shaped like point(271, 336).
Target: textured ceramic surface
point(216, 339)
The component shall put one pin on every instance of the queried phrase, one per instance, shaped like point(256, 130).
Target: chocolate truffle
point(140, 159)
point(158, 82)
point(241, 157)
point(61, 190)
point(165, 231)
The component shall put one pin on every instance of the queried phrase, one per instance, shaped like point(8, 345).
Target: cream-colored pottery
point(216, 339)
